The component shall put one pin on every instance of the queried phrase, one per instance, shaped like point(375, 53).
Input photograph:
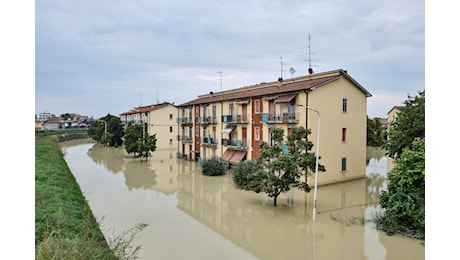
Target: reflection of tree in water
point(138, 175)
point(374, 152)
point(111, 157)
point(375, 180)
point(374, 184)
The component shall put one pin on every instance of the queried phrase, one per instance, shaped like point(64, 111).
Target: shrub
point(404, 201)
point(242, 171)
point(213, 166)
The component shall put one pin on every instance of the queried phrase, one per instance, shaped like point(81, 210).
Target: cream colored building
point(231, 124)
point(160, 120)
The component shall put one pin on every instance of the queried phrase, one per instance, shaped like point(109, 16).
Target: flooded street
point(191, 216)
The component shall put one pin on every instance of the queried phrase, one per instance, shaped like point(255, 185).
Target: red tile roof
point(144, 109)
point(261, 91)
point(288, 87)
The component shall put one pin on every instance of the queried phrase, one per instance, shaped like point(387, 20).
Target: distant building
point(54, 124)
point(45, 116)
point(160, 119)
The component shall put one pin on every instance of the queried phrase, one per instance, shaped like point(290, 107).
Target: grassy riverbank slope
point(65, 227)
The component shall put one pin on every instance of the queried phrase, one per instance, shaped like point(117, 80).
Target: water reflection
point(207, 218)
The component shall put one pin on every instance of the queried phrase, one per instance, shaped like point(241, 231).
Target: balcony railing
point(184, 138)
point(283, 117)
point(238, 144)
point(209, 141)
point(186, 121)
point(242, 118)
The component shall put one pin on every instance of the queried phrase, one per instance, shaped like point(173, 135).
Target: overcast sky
point(99, 57)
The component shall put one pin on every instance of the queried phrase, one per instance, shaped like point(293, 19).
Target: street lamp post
point(317, 158)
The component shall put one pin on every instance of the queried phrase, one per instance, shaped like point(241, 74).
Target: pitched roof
point(272, 88)
point(145, 109)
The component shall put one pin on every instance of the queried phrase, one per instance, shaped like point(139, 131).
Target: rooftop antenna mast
point(158, 102)
point(310, 70)
point(281, 63)
point(220, 80)
point(140, 99)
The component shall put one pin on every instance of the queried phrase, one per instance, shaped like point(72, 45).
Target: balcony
point(186, 121)
point(235, 144)
point(227, 119)
point(283, 118)
point(184, 139)
point(208, 141)
point(242, 119)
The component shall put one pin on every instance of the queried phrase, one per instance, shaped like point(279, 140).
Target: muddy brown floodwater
point(191, 216)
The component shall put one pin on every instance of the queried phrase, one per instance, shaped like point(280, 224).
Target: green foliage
point(409, 124)
point(375, 136)
point(278, 171)
point(404, 201)
point(114, 127)
point(213, 166)
point(248, 175)
point(139, 142)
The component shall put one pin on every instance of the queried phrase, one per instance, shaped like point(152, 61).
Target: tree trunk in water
point(274, 201)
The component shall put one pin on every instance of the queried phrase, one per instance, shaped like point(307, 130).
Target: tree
point(281, 165)
point(404, 201)
point(133, 134)
point(139, 142)
point(409, 124)
point(375, 136)
point(114, 127)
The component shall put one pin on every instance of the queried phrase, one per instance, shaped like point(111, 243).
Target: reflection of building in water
point(253, 223)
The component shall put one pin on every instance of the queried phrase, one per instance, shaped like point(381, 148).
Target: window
point(344, 164)
point(170, 116)
point(256, 133)
point(257, 106)
point(170, 129)
point(344, 134)
point(344, 105)
point(170, 142)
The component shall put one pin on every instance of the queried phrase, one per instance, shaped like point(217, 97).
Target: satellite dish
point(310, 70)
point(292, 71)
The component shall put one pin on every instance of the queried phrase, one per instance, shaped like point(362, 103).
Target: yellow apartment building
point(160, 120)
point(231, 124)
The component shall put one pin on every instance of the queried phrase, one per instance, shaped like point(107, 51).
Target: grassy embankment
point(65, 227)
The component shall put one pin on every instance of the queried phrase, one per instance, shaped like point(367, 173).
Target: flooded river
point(191, 216)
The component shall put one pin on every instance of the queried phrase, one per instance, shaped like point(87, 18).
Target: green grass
point(65, 227)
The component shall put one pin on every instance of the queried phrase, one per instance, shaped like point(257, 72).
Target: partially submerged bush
point(213, 166)
point(242, 172)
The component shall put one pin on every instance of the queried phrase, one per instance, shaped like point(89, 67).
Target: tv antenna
point(220, 80)
point(310, 70)
point(158, 102)
point(281, 63)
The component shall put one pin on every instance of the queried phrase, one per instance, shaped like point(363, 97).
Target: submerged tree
point(109, 125)
point(404, 201)
point(138, 141)
point(409, 124)
point(281, 165)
